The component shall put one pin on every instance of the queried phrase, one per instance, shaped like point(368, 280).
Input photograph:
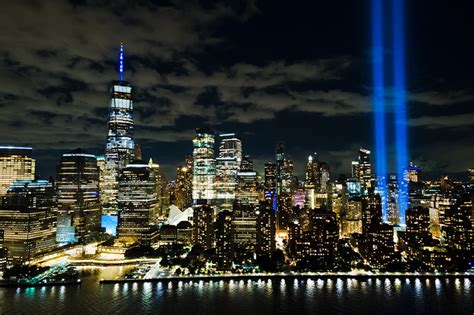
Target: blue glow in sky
point(400, 106)
point(378, 101)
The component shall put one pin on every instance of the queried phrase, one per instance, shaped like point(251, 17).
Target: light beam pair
point(399, 102)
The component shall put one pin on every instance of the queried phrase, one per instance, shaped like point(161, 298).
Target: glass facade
point(120, 145)
point(27, 218)
point(227, 166)
point(183, 196)
point(204, 165)
point(16, 163)
point(137, 199)
point(77, 184)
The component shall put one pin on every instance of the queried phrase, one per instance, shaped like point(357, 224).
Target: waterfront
point(375, 295)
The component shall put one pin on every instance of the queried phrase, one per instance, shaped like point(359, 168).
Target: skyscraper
point(27, 217)
point(119, 150)
point(246, 189)
point(244, 226)
point(311, 181)
point(285, 187)
point(227, 166)
point(162, 193)
point(137, 200)
point(16, 163)
point(202, 228)
point(364, 173)
point(371, 212)
point(265, 228)
point(325, 176)
point(77, 184)
point(204, 165)
point(280, 160)
point(223, 236)
point(183, 195)
point(392, 201)
point(270, 181)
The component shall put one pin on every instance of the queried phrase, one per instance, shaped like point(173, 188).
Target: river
point(302, 296)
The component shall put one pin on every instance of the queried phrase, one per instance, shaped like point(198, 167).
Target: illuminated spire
point(121, 62)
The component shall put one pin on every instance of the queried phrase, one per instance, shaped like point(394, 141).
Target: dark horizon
point(267, 71)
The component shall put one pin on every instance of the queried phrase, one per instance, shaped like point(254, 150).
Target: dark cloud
point(266, 70)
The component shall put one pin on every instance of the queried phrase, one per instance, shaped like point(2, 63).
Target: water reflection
point(467, 285)
point(312, 295)
point(339, 285)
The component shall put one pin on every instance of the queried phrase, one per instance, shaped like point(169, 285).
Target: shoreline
point(256, 277)
point(35, 285)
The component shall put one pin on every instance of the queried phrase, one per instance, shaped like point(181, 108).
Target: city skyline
point(234, 83)
point(243, 156)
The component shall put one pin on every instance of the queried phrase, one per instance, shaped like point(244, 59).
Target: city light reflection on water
point(339, 285)
point(312, 295)
point(438, 286)
point(467, 285)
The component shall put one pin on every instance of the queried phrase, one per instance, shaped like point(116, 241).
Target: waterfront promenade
point(295, 275)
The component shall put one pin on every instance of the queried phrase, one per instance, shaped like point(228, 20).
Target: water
point(309, 296)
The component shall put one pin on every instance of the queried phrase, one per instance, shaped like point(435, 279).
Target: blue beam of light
point(121, 62)
point(378, 102)
point(400, 106)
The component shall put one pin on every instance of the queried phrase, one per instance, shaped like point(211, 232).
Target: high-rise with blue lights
point(120, 145)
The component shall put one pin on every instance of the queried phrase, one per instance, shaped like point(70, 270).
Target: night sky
point(293, 71)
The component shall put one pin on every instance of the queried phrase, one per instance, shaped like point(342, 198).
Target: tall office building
point(325, 176)
point(101, 166)
point(351, 219)
point(204, 165)
point(265, 228)
point(27, 218)
point(311, 181)
point(244, 226)
point(418, 226)
point(246, 189)
point(202, 228)
point(285, 187)
point(223, 237)
point(392, 201)
point(162, 193)
point(317, 241)
point(227, 166)
point(137, 200)
point(119, 150)
point(77, 184)
point(280, 158)
point(364, 170)
point(371, 211)
point(269, 182)
point(183, 194)
point(16, 163)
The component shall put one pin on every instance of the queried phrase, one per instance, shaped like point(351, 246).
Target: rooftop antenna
point(121, 62)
